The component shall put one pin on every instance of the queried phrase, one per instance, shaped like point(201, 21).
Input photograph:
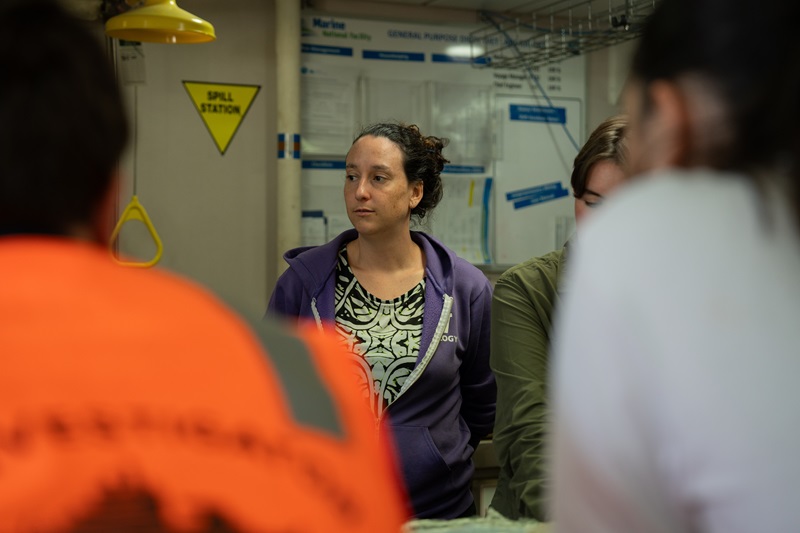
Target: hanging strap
point(136, 211)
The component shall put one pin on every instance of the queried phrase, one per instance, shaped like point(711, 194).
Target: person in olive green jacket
point(522, 309)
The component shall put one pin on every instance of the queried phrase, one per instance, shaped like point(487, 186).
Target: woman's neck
point(386, 268)
point(386, 254)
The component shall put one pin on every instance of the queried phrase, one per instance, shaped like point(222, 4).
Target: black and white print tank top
point(382, 335)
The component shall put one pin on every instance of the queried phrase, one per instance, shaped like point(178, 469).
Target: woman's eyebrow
point(590, 191)
point(383, 168)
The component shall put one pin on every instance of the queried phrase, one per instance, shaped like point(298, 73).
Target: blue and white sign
point(320, 164)
point(445, 58)
point(536, 195)
point(327, 50)
point(537, 113)
point(463, 169)
point(393, 56)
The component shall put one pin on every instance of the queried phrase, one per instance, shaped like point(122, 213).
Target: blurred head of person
point(599, 167)
point(393, 172)
point(716, 84)
point(126, 510)
point(62, 124)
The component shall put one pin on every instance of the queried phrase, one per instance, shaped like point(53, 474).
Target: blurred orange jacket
point(113, 377)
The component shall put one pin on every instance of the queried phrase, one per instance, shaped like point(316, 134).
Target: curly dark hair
point(422, 159)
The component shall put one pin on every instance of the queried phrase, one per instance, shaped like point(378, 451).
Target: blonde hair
point(606, 143)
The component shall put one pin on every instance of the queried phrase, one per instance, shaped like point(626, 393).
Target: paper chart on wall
point(390, 100)
point(314, 227)
point(465, 229)
point(462, 114)
point(329, 109)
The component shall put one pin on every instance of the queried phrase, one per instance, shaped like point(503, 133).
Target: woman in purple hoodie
point(414, 315)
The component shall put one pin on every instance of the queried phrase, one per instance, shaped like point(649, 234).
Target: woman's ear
point(417, 189)
point(670, 122)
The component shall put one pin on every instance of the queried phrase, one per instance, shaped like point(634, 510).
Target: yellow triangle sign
point(222, 107)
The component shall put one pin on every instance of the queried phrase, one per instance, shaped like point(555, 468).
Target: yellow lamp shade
point(160, 21)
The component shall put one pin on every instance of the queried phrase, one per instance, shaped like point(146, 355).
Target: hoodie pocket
point(424, 469)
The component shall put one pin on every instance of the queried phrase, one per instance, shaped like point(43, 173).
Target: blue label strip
point(281, 145)
point(463, 169)
point(537, 113)
point(487, 195)
point(541, 198)
point(537, 195)
point(534, 191)
point(326, 50)
point(393, 56)
point(296, 146)
point(444, 58)
point(319, 164)
point(313, 214)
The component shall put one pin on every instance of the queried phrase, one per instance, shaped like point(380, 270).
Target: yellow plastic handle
point(135, 211)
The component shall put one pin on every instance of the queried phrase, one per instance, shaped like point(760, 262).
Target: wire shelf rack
point(555, 31)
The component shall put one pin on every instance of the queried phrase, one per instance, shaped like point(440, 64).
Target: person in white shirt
point(677, 348)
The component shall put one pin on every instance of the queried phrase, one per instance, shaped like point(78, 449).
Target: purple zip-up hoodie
point(448, 401)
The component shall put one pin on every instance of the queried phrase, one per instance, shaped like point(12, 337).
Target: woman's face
point(377, 193)
point(604, 176)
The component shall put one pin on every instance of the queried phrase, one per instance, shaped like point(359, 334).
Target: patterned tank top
point(382, 335)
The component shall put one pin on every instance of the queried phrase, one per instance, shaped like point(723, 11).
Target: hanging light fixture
point(160, 21)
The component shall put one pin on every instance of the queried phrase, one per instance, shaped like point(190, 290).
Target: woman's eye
point(379, 178)
point(592, 204)
point(350, 177)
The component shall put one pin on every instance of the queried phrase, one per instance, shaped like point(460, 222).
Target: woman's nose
point(362, 189)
